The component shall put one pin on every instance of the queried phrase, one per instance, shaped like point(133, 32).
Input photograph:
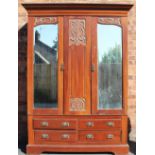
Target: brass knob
point(44, 124)
point(44, 136)
point(111, 124)
point(65, 124)
point(90, 124)
point(110, 136)
point(89, 136)
point(65, 136)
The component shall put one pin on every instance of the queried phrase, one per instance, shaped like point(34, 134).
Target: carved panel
point(77, 34)
point(77, 104)
point(110, 20)
point(45, 20)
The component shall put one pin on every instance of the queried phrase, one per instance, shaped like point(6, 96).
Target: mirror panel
point(45, 66)
point(109, 42)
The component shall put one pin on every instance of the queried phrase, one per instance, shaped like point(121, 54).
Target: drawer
point(99, 124)
point(100, 136)
point(45, 136)
point(54, 123)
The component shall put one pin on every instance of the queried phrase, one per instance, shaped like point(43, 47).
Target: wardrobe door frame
point(123, 110)
point(68, 69)
point(30, 66)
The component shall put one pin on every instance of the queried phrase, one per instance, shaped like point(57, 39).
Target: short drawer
point(54, 124)
point(45, 136)
point(100, 136)
point(100, 124)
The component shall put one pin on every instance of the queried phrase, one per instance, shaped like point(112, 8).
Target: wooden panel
point(45, 136)
point(78, 6)
point(110, 20)
point(77, 12)
point(77, 117)
point(77, 66)
point(94, 92)
point(54, 124)
point(77, 42)
point(99, 124)
point(30, 81)
point(77, 71)
point(45, 20)
point(60, 63)
point(30, 130)
point(124, 21)
point(121, 149)
point(100, 136)
point(77, 9)
point(124, 129)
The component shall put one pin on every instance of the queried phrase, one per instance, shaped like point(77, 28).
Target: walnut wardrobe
point(77, 77)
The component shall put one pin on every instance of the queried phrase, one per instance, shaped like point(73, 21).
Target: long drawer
point(99, 124)
point(100, 136)
point(55, 124)
point(45, 136)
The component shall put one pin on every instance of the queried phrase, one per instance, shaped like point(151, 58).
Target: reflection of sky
point(48, 33)
point(107, 36)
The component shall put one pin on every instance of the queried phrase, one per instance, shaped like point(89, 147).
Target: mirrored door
point(107, 79)
point(47, 62)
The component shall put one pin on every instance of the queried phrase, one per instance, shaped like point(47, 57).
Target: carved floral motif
point(110, 20)
point(77, 34)
point(77, 104)
point(45, 20)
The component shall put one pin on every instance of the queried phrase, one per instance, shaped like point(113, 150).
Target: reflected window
point(45, 66)
point(109, 40)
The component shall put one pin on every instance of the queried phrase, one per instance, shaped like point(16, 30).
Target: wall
point(22, 32)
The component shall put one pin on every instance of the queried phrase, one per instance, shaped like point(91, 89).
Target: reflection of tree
point(110, 76)
point(113, 55)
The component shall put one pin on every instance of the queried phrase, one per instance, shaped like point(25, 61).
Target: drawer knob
point(65, 136)
point(110, 136)
point(89, 136)
point(44, 124)
point(44, 136)
point(65, 124)
point(111, 124)
point(90, 124)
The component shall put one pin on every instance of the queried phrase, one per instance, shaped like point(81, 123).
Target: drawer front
point(46, 136)
point(54, 124)
point(99, 124)
point(100, 136)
